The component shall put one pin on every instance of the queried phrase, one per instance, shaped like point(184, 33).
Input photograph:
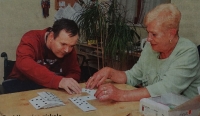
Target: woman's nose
point(149, 39)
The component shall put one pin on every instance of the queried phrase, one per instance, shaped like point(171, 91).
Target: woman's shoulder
point(185, 42)
point(185, 46)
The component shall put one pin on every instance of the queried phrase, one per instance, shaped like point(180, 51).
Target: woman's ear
point(173, 32)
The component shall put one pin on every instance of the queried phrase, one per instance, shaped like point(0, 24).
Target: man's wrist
point(60, 84)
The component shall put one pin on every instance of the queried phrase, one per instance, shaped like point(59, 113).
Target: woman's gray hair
point(167, 15)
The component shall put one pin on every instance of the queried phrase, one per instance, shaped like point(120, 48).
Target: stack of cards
point(82, 103)
point(46, 100)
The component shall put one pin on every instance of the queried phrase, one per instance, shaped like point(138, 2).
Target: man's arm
point(27, 52)
point(34, 71)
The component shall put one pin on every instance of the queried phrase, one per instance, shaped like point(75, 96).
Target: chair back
point(86, 70)
point(8, 65)
point(143, 42)
point(198, 47)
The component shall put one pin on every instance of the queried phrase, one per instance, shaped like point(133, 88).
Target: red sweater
point(37, 63)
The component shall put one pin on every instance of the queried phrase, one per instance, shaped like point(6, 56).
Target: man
point(168, 63)
point(47, 58)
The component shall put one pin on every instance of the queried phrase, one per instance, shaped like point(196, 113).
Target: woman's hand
point(109, 92)
point(98, 78)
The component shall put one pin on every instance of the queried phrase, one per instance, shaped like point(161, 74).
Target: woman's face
point(158, 36)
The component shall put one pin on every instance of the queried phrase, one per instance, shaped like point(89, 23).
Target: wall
point(190, 22)
point(16, 18)
point(20, 16)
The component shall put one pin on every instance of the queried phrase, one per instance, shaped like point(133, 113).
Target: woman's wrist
point(110, 73)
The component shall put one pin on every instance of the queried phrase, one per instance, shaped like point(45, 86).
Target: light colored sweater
point(179, 73)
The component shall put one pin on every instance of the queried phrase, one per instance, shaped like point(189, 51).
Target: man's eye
point(154, 34)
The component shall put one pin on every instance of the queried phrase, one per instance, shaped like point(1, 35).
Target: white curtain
point(130, 8)
point(148, 5)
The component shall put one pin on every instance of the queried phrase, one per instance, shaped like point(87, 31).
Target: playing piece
point(89, 97)
point(38, 102)
point(49, 96)
point(82, 104)
point(46, 100)
point(89, 91)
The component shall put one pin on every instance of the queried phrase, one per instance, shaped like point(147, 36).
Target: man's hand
point(98, 78)
point(70, 85)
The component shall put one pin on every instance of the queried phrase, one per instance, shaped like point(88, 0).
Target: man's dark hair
point(68, 25)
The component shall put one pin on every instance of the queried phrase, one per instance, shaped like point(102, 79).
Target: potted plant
point(106, 23)
point(92, 21)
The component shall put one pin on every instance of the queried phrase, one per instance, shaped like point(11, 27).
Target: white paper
point(61, 3)
point(69, 12)
point(86, 1)
point(59, 14)
point(77, 7)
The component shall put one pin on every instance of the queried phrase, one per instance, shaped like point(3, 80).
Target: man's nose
point(66, 48)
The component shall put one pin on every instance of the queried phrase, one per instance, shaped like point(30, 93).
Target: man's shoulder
point(34, 35)
point(35, 32)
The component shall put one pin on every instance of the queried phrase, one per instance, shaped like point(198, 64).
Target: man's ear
point(51, 35)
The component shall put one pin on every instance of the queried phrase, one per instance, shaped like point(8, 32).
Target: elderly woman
point(168, 63)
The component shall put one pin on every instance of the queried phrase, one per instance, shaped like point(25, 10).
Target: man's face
point(158, 36)
point(63, 44)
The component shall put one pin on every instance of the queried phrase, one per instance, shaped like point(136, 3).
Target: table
point(17, 104)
